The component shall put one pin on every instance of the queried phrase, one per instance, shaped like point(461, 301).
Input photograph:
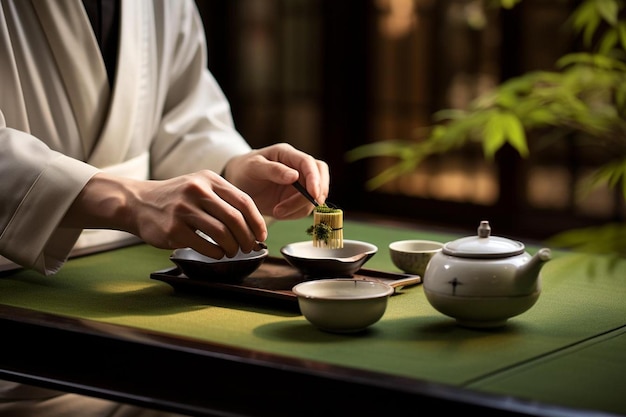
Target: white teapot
point(484, 280)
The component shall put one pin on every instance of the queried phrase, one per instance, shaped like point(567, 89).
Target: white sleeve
point(196, 131)
point(38, 186)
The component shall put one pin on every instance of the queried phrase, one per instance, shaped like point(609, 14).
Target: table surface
point(565, 356)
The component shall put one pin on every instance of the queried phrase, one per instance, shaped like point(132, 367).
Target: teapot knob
point(484, 230)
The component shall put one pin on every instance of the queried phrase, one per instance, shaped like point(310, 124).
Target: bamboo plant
point(585, 95)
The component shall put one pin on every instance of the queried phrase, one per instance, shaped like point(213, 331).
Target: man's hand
point(266, 174)
point(167, 214)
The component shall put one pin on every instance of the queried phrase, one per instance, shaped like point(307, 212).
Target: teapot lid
point(483, 245)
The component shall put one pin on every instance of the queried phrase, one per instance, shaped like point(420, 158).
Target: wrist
point(102, 203)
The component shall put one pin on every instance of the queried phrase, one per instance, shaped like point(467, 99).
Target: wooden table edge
point(130, 365)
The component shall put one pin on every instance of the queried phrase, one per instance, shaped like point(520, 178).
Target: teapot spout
point(527, 275)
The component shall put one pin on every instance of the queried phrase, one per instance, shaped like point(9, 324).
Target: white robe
point(60, 123)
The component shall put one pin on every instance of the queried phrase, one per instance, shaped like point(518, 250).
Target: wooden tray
point(273, 280)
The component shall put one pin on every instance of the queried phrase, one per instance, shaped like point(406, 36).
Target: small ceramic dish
point(342, 305)
point(341, 262)
point(197, 266)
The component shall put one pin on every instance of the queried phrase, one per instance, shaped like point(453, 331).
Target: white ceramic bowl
point(341, 305)
point(412, 256)
point(324, 262)
point(200, 267)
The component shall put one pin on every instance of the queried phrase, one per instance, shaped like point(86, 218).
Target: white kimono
point(60, 123)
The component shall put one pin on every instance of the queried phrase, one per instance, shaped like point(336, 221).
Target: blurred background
point(328, 76)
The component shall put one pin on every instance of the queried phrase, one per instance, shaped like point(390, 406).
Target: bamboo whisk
point(334, 220)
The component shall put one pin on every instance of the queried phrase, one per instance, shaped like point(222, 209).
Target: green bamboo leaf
point(393, 148)
point(586, 19)
point(579, 62)
point(449, 114)
point(605, 62)
point(507, 99)
point(619, 173)
point(608, 9)
point(573, 104)
point(509, 4)
point(494, 135)
point(621, 31)
point(608, 41)
point(606, 239)
point(514, 133)
point(391, 173)
point(574, 58)
point(438, 131)
point(484, 101)
point(522, 84)
point(590, 30)
point(583, 15)
point(539, 116)
point(609, 174)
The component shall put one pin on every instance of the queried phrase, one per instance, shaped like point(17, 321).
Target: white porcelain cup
point(412, 256)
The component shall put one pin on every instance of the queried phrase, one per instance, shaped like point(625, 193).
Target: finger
point(202, 243)
point(246, 211)
point(242, 222)
point(285, 164)
point(197, 240)
point(292, 212)
point(323, 180)
point(219, 234)
point(295, 159)
point(265, 169)
point(309, 172)
point(317, 180)
point(200, 207)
